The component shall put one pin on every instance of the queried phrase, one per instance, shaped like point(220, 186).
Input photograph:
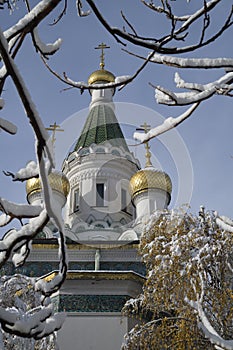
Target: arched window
point(100, 194)
point(76, 199)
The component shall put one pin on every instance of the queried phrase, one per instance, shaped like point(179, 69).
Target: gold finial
point(54, 128)
point(145, 127)
point(101, 47)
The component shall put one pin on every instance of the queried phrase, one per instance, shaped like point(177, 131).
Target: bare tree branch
point(168, 124)
point(160, 48)
point(119, 82)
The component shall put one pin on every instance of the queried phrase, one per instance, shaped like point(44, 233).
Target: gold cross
point(101, 47)
point(146, 127)
point(54, 128)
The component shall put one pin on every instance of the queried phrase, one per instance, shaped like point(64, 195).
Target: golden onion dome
point(101, 75)
point(149, 178)
point(57, 180)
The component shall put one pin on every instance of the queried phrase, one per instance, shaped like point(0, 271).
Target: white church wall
point(87, 331)
point(147, 202)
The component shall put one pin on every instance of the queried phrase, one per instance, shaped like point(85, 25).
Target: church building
point(107, 199)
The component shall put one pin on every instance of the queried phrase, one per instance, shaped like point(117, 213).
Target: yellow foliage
point(186, 257)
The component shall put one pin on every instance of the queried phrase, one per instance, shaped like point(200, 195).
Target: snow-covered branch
point(19, 211)
point(167, 125)
point(120, 81)
point(45, 49)
point(208, 329)
point(32, 19)
point(195, 63)
point(22, 314)
point(26, 232)
point(224, 223)
point(36, 325)
point(80, 11)
point(31, 170)
point(6, 125)
point(198, 93)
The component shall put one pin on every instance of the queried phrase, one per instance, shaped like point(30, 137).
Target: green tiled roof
point(101, 125)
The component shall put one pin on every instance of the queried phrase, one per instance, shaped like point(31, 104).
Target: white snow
point(19, 210)
point(4, 219)
point(224, 223)
point(203, 63)
point(31, 170)
point(5, 124)
point(47, 49)
point(48, 287)
point(122, 79)
point(20, 255)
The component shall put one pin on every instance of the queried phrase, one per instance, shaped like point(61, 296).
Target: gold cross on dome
point(146, 127)
point(101, 47)
point(54, 128)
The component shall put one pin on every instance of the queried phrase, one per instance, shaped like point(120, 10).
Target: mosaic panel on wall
point(89, 303)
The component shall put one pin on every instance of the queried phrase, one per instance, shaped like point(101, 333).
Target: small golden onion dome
point(149, 178)
point(101, 75)
point(57, 180)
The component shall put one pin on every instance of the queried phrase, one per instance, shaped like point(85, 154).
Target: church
point(107, 197)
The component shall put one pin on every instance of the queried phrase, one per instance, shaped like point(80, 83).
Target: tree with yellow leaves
point(187, 299)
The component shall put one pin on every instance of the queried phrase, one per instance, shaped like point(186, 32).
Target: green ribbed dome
point(101, 125)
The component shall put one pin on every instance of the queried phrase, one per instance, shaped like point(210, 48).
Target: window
point(100, 194)
point(123, 200)
point(76, 199)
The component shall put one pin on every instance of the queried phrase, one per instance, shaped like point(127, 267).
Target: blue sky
point(206, 136)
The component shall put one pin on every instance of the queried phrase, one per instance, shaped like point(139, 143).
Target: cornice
point(99, 275)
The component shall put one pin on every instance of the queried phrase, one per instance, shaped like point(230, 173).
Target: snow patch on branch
point(5, 124)
point(20, 254)
point(19, 210)
point(122, 79)
point(195, 63)
point(31, 170)
point(46, 287)
point(46, 49)
point(225, 223)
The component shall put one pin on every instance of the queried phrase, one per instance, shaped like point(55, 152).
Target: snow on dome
point(101, 75)
point(58, 182)
point(149, 178)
